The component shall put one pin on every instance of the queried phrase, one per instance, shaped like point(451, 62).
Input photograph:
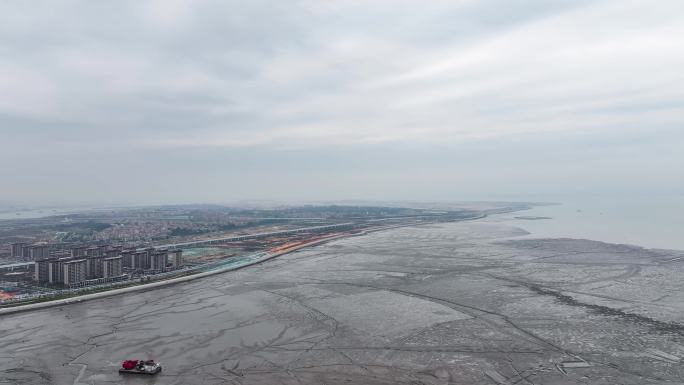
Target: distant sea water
point(651, 223)
point(36, 213)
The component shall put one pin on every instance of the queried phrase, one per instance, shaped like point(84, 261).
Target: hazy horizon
point(170, 102)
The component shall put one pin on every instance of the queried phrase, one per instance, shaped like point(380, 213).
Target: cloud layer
point(260, 76)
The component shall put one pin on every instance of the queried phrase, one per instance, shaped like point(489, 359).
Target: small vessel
point(140, 367)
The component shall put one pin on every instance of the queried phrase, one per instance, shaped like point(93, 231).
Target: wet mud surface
point(461, 303)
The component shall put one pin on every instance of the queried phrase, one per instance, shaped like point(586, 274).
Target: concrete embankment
point(153, 285)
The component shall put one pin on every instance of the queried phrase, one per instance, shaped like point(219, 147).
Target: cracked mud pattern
point(460, 303)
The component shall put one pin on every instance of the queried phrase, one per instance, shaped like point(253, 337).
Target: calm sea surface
point(37, 213)
point(653, 223)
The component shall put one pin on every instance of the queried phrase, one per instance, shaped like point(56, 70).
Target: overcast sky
point(215, 101)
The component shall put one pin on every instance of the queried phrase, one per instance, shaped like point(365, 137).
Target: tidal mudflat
point(459, 303)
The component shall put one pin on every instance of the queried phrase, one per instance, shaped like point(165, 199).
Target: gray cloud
point(147, 89)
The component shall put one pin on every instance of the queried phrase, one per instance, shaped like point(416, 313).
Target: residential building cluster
point(30, 251)
point(82, 264)
point(140, 231)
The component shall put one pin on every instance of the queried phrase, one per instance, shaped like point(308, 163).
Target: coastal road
point(459, 303)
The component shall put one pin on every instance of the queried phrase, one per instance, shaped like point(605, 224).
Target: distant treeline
point(181, 232)
point(78, 227)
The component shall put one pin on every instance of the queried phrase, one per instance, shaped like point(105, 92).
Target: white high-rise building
point(74, 271)
point(113, 267)
point(158, 260)
point(176, 258)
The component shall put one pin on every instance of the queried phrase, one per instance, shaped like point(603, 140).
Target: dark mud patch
point(661, 326)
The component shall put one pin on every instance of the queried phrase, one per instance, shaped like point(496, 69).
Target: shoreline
point(154, 285)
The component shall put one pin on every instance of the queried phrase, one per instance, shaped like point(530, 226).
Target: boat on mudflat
point(140, 367)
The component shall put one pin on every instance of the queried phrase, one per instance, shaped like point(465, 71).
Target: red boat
point(140, 367)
